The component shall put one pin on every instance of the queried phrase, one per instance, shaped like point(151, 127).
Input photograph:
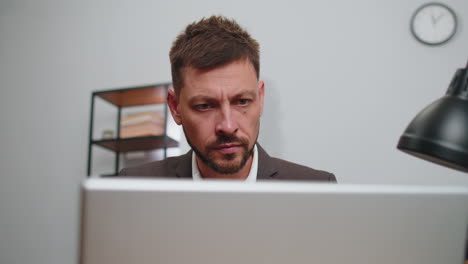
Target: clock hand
point(433, 20)
point(438, 18)
point(431, 13)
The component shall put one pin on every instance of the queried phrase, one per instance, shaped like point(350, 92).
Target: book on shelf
point(142, 117)
point(141, 125)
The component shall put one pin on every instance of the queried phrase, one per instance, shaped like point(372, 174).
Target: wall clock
point(433, 24)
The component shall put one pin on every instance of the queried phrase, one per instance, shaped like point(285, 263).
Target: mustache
point(224, 139)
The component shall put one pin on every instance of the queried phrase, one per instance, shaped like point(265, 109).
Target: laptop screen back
point(164, 221)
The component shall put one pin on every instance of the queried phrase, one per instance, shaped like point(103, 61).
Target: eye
point(243, 102)
point(202, 107)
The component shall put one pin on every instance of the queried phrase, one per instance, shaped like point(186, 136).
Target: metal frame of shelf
point(125, 97)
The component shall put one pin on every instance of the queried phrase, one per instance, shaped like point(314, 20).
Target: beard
point(228, 164)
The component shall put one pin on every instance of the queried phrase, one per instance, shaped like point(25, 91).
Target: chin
point(230, 165)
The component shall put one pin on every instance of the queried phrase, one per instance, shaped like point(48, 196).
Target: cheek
point(251, 121)
point(198, 129)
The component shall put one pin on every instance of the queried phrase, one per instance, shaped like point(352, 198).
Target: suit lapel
point(266, 166)
point(183, 168)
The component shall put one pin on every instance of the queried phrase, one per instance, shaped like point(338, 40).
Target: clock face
point(433, 24)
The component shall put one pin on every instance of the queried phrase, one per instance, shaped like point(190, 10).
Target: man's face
point(220, 111)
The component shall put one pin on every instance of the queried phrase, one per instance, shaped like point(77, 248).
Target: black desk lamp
point(439, 133)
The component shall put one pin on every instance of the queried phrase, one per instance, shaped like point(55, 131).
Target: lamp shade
point(439, 133)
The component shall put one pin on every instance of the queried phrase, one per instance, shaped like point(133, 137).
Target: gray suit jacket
point(269, 168)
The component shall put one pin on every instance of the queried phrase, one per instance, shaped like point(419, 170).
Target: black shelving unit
point(127, 97)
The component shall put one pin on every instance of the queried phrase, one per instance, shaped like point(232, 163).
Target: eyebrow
point(208, 98)
point(201, 98)
point(246, 93)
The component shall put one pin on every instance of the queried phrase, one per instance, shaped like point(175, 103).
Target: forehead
point(236, 76)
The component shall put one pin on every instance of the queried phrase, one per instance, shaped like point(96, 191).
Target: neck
point(208, 173)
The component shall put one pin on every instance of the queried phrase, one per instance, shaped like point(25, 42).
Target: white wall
point(343, 78)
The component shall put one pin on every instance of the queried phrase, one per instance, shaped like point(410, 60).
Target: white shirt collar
point(252, 174)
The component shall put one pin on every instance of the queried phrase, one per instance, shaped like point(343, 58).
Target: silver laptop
point(169, 221)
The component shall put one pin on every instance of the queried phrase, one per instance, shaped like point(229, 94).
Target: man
point(218, 99)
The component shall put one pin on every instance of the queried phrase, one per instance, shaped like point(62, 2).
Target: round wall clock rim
point(452, 34)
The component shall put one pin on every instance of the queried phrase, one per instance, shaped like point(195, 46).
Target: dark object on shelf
point(439, 133)
point(134, 96)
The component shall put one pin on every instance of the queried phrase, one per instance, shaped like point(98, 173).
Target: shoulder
point(287, 170)
point(271, 168)
point(166, 168)
point(147, 169)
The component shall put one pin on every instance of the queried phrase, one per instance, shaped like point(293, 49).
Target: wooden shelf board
point(136, 144)
point(155, 94)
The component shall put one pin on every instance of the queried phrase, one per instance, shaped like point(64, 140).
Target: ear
point(173, 103)
point(261, 94)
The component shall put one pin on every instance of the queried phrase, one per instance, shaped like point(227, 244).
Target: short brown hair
point(209, 43)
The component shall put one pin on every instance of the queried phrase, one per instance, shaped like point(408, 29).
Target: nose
point(226, 123)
